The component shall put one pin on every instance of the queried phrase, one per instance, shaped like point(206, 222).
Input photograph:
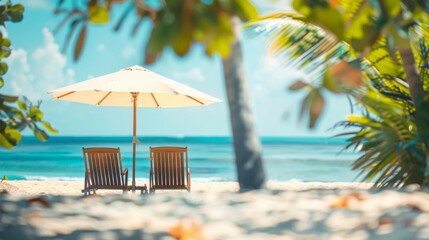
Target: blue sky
point(37, 65)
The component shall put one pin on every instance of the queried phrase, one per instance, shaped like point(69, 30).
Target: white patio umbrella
point(133, 87)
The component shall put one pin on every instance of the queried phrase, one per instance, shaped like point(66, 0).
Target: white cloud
point(128, 52)
point(194, 73)
point(101, 47)
point(33, 74)
point(38, 4)
point(272, 76)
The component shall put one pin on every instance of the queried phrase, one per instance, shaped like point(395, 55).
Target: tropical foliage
point(369, 50)
point(16, 114)
point(176, 24)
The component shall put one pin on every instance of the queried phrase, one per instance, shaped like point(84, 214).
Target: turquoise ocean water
point(210, 158)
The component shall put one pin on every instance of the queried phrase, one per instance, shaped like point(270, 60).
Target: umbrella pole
point(134, 140)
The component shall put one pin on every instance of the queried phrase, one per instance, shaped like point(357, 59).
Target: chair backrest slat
point(174, 166)
point(164, 169)
point(103, 169)
point(170, 169)
point(106, 169)
point(109, 170)
point(98, 169)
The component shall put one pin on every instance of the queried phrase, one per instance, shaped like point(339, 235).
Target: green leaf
point(400, 40)
point(10, 138)
point(22, 105)
point(19, 115)
point(422, 119)
point(1, 82)
point(80, 43)
point(4, 52)
point(245, 9)
point(48, 127)
point(420, 15)
point(362, 31)
point(5, 42)
point(220, 43)
point(330, 84)
point(17, 8)
point(183, 38)
point(124, 15)
point(393, 8)
point(98, 14)
point(7, 98)
point(3, 68)
point(364, 121)
point(72, 29)
point(302, 7)
point(16, 13)
point(41, 135)
point(35, 114)
point(329, 18)
point(2, 125)
point(160, 37)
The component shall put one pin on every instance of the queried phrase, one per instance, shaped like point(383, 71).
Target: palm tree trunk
point(412, 75)
point(247, 147)
point(417, 94)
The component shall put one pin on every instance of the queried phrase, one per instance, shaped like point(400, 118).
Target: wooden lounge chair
point(168, 168)
point(103, 170)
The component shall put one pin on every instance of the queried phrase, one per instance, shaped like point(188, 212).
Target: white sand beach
point(73, 188)
point(214, 210)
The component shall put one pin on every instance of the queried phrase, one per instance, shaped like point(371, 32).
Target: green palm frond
point(351, 8)
point(388, 159)
point(393, 155)
point(420, 36)
point(303, 45)
point(309, 48)
point(384, 61)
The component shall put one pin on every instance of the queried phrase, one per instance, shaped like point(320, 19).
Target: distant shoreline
point(194, 139)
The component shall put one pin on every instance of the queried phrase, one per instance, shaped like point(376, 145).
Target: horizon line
point(185, 136)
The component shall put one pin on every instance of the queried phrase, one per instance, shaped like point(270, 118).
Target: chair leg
point(86, 190)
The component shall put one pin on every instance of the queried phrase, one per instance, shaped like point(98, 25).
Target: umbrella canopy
point(133, 87)
point(154, 91)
